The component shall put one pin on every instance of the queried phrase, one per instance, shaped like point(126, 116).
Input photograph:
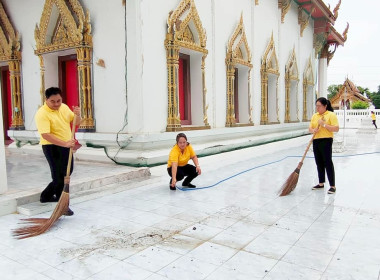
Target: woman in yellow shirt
point(373, 116)
point(178, 166)
point(323, 124)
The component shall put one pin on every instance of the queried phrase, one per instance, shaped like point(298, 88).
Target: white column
point(3, 169)
point(322, 77)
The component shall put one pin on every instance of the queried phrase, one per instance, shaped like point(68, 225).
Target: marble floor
point(233, 226)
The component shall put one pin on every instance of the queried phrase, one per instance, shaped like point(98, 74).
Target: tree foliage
point(359, 105)
point(333, 90)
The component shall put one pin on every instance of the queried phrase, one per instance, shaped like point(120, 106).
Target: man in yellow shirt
point(53, 123)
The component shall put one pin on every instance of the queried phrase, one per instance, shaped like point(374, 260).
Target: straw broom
point(37, 226)
point(291, 183)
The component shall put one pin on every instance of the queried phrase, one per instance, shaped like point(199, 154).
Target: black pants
point(374, 123)
point(323, 158)
point(188, 170)
point(57, 158)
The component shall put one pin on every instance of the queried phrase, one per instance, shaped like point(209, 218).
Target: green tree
point(376, 100)
point(333, 90)
point(359, 105)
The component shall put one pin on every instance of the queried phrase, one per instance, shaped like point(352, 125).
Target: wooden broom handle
point(308, 146)
point(71, 149)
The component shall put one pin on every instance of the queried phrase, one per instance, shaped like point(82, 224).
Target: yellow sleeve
point(68, 113)
point(334, 120)
point(173, 156)
point(192, 153)
point(42, 123)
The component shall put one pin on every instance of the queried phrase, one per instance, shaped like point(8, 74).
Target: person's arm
point(198, 167)
point(76, 111)
point(174, 173)
point(329, 127)
point(56, 141)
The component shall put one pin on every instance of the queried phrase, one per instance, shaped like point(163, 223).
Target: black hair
point(325, 102)
point(52, 91)
point(179, 135)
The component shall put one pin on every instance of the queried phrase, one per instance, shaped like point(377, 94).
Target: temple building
point(229, 74)
point(347, 94)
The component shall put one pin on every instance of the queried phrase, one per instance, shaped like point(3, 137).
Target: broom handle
point(308, 146)
point(71, 149)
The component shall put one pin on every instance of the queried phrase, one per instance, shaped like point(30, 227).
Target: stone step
point(36, 208)
point(10, 202)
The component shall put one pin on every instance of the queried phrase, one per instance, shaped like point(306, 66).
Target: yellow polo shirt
point(182, 158)
point(56, 122)
point(330, 119)
point(373, 116)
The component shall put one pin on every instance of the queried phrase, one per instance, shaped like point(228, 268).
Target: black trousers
point(188, 170)
point(322, 148)
point(57, 157)
point(374, 123)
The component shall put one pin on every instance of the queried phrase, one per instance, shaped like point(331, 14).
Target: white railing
point(353, 118)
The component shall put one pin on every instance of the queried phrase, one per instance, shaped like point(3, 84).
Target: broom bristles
point(291, 183)
point(37, 226)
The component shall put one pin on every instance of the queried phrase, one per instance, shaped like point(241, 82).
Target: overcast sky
point(359, 58)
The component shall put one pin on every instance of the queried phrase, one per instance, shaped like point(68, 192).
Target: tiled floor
point(238, 229)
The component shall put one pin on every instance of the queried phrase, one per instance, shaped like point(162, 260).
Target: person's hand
point(70, 144)
point(321, 122)
point(198, 169)
point(76, 110)
point(174, 181)
point(315, 130)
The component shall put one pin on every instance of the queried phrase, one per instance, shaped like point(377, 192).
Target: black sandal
point(318, 186)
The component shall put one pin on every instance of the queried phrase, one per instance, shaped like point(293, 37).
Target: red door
point(68, 80)
point(236, 95)
point(184, 94)
point(6, 97)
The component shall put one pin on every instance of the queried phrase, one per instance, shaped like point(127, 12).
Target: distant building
point(347, 94)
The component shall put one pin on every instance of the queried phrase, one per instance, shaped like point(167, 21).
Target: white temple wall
point(289, 38)
point(30, 65)
point(307, 52)
point(266, 17)
point(227, 17)
point(109, 83)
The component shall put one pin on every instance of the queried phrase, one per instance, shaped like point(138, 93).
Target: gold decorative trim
point(318, 42)
point(303, 19)
point(336, 9)
point(184, 30)
point(42, 76)
point(291, 74)
point(284, 5)
point(238, 52)
point(72, 30)
point(345, 32)
point(10, 46)
point(269, 65)
point(308, 80)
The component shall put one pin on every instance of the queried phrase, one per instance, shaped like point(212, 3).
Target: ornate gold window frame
point(308, 80)
point(184, 31)
point(269, 65)
point(72, 31)
point(291, 74)
point(238, 53)
point(10, 53)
